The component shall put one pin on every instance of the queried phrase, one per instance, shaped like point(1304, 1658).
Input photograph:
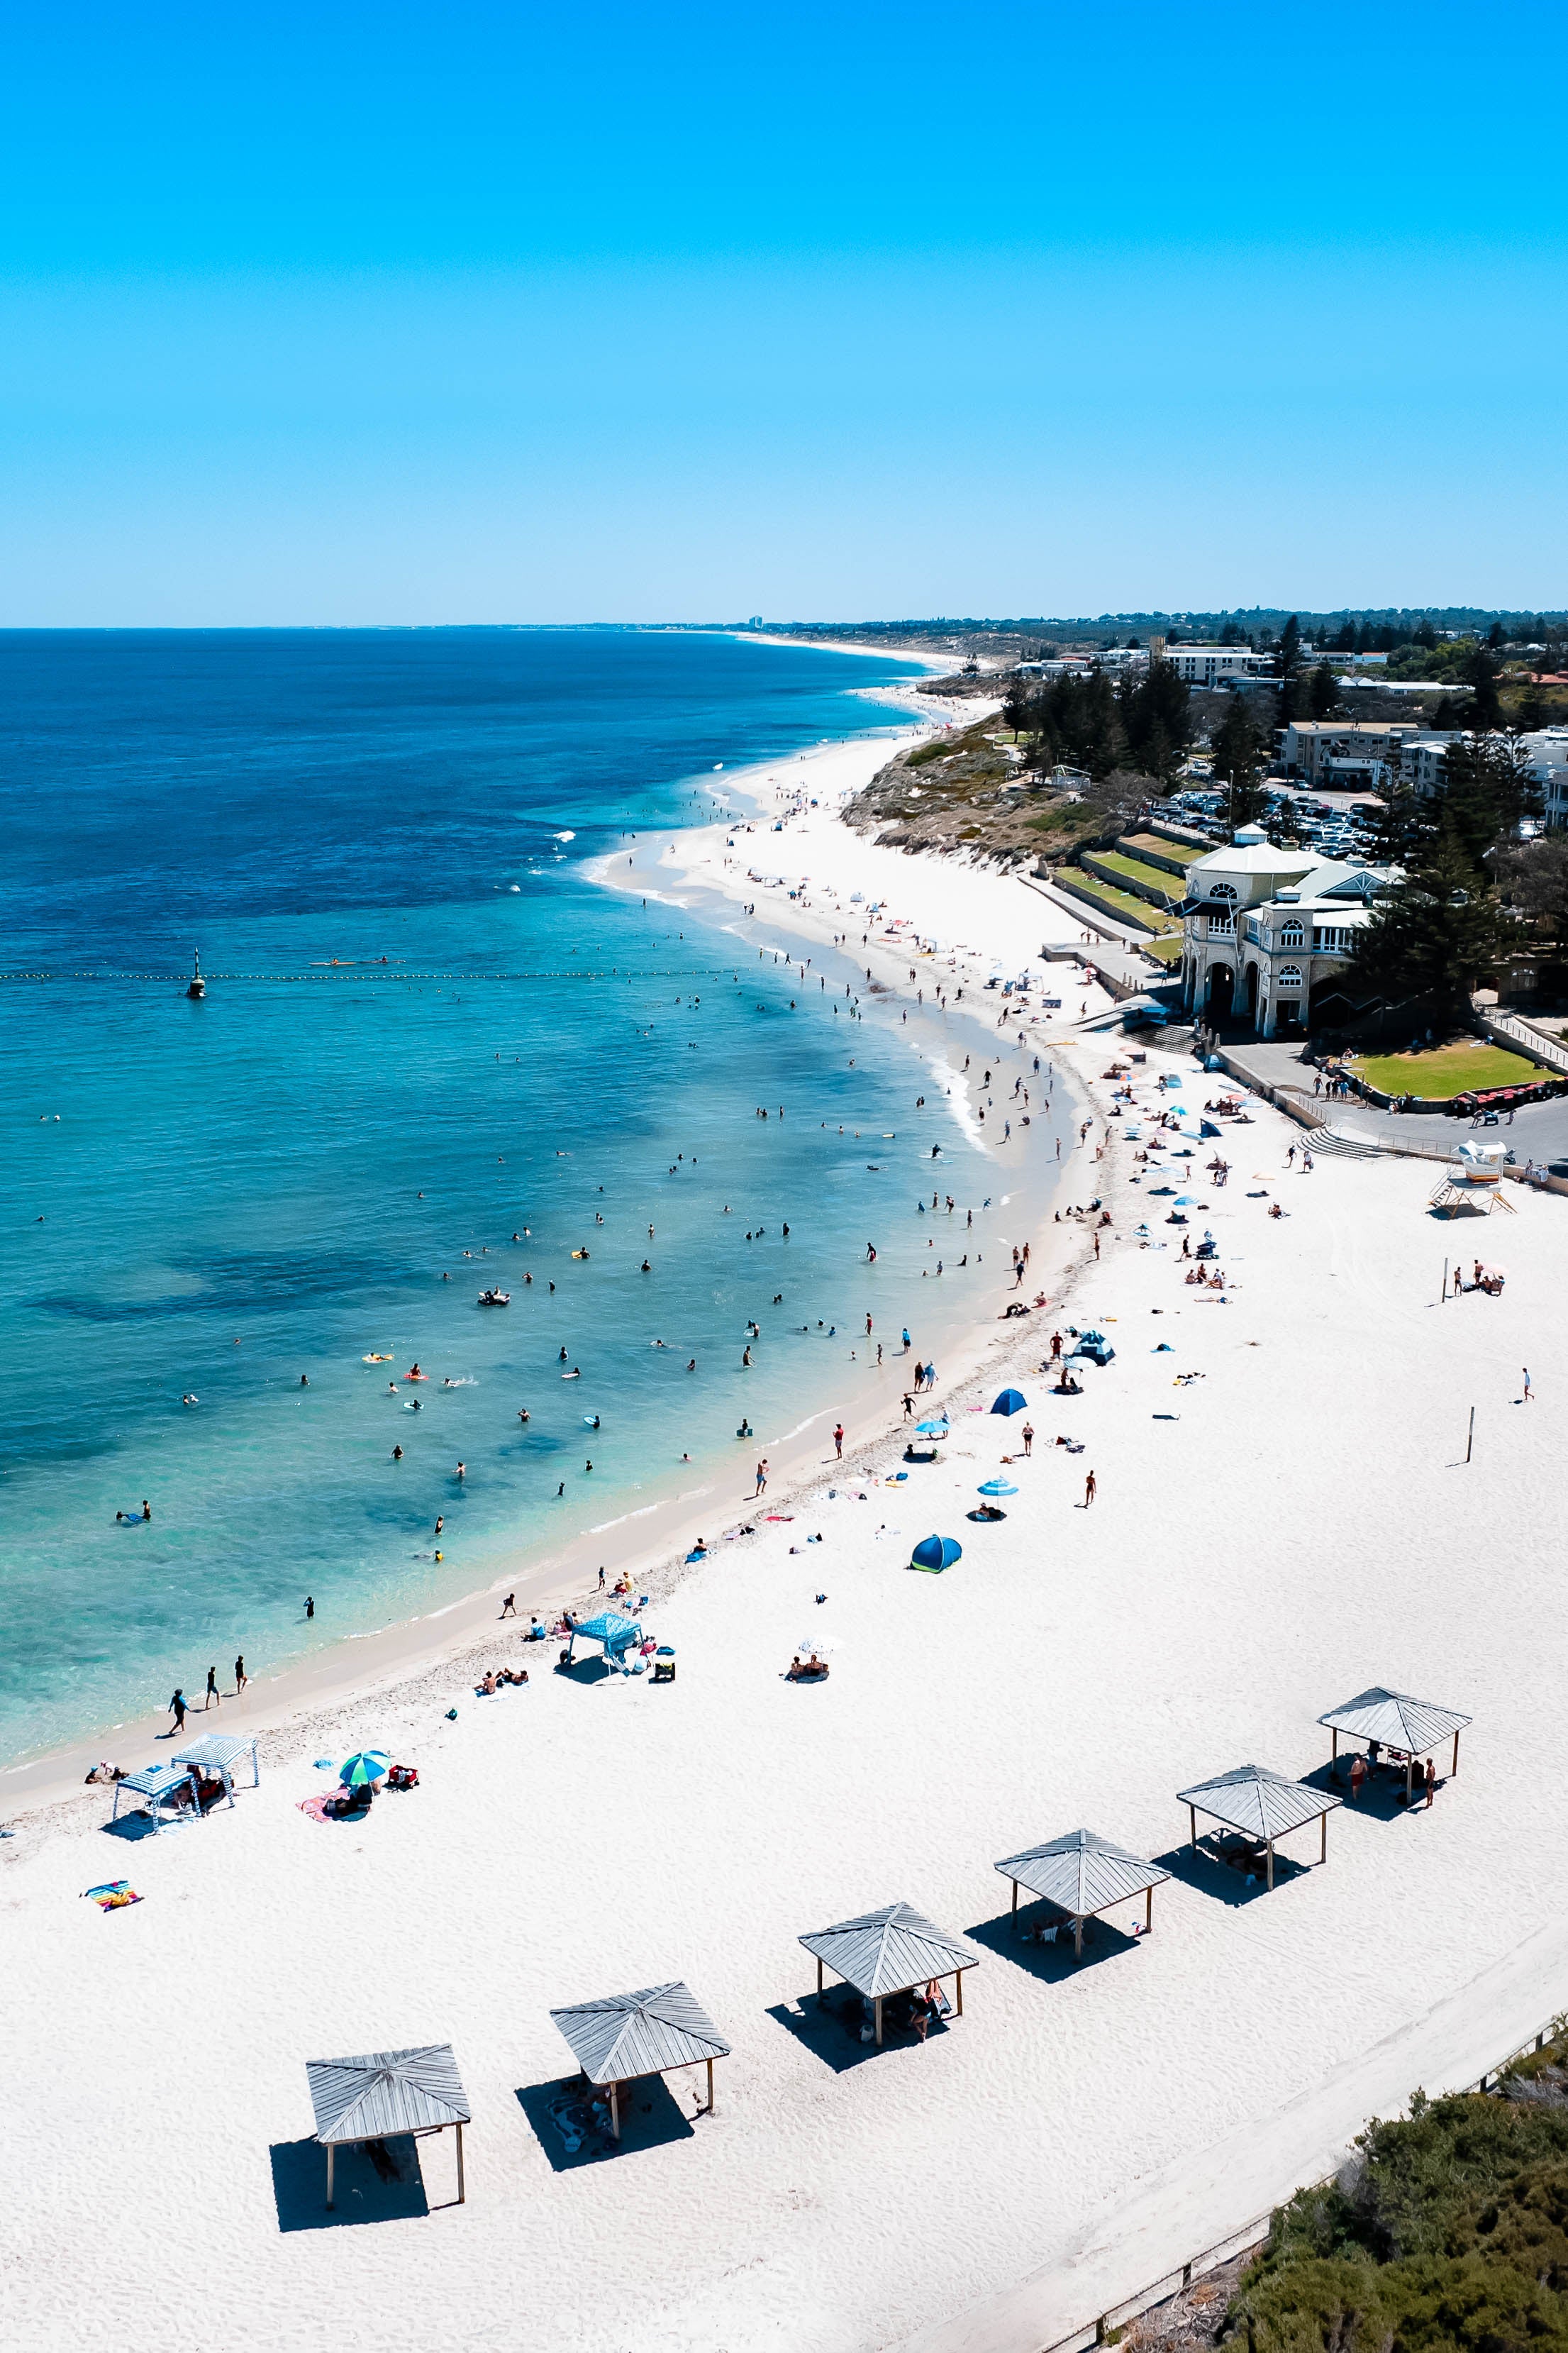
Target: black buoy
point(198, 986)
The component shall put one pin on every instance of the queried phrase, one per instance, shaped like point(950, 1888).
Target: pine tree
point(1287, 661)
point(1480, 672)
point(1323, 691)
point(1238, 762)
point(1433, 937)
point(1487, 791)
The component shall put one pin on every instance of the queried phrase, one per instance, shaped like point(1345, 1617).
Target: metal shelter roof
point(640, 2033)
point(1396, 1719)
point(1263, 1804)
point(1081, 1874)
point(220, 1750)
point(889, 1951)
point(386, 2092)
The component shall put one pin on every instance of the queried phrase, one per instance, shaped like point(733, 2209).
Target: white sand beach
point(1293, 1523)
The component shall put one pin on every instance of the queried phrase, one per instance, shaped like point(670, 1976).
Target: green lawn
point(1169, 886)
point(1448, 1071)
point(1167, 949)
point(1165, 848)
point(1122, 903)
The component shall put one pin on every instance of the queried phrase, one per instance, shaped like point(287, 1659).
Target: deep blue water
point(212, 1199)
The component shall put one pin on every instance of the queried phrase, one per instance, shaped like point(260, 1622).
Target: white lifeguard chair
point(1475, 1182)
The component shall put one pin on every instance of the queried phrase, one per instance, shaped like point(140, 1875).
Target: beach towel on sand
point(114, 1895)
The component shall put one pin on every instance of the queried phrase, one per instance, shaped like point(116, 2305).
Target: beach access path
point(1293, 1525)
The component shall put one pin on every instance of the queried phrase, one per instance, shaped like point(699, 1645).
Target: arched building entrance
point(1219, 990)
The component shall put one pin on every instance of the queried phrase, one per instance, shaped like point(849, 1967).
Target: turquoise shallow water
point(212, 1199)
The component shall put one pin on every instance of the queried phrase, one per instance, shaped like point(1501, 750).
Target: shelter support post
point(959, 1989)
point(819, 1978)
point(1193, 1818)
point(331, 2152)
point(1323, 1843)
point(1014, 1904)
point(1456, 1752)
point(1269, 1843)
point(1078, 1936)
point(710, 2087)
point(1334, 1752)
point(878, 2010)
point(1409, 1776)
point(1148, 1910)
point(462, 2192)
point(615, 2110)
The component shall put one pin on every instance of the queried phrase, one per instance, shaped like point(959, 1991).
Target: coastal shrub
point(1451, 2230)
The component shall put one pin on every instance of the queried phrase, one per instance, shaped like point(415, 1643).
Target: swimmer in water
point(397, 1454)
point(522, 1413)
point(691, 1367)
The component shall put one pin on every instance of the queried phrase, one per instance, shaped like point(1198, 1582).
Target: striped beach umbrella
point(365, 1767)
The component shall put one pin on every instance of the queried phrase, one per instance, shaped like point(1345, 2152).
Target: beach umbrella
point(1186, 1200)
point(365, 1767)
point(931, 1429)
point(935, 1554)
point(820, 1643)
point(1010, 1402)
point(996, 1487)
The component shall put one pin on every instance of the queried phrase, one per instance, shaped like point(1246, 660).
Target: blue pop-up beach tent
point(935, 1554)
point(1010, 1402)
point(610, 1630)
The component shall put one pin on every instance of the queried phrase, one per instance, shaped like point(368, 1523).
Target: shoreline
point(649, 1540)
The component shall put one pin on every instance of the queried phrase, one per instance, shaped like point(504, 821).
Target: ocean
point(432, 1047)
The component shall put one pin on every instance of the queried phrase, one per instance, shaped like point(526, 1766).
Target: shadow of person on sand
point(571, 2119)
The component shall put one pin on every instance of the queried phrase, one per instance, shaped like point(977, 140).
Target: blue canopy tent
point(614, 1633)
point(934, 1554)
point(1010, 1402)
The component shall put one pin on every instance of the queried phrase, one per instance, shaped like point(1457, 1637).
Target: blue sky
point(466, 313)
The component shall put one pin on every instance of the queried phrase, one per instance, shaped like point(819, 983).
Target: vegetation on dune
point(1451, 2230)
point(976, 790)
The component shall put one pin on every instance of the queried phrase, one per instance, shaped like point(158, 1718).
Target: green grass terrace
point(1442, 1072)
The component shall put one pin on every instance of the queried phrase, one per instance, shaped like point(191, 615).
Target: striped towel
point(114, 1895)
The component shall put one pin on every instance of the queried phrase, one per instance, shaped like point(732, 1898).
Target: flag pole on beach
point(1471, 1439)
point(1445, 1278)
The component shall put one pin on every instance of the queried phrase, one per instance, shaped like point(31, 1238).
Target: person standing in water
point(309, 1605)
point(240, 1677)
point(213, 1691)
point(177, 1710)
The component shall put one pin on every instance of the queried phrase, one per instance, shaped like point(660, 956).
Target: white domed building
point(1266, 932)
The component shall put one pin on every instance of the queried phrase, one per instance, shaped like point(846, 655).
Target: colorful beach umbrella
point(935, 1554)
point(366, 1766)
point(996, 1487)
point(1010, 1402)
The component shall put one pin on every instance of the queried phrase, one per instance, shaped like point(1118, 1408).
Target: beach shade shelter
point(1411, 1728)
point(889, 1951)
point(1261, 1805)
point(1083, 1875)
point(936, 1553)
point(1010, 1402)
point(156, 1787)
point(614, 1633)
point(645, 2034)
point(385, 2094)
point(220, 1752)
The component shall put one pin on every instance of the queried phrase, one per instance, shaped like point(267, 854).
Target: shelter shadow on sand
point(1382, 1794)
point(829, 2036)
point(300, 2185)
point(1007, 1936)
point(1223, 1881)
point(561, 2113)
point(586, 1671)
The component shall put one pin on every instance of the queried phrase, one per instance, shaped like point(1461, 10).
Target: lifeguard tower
point(1474, 1183)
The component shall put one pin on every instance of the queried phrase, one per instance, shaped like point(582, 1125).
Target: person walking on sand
point(177, 1710)
point(1089, 1491)
point(1095, 1249)
point(1431, 1782)
point(601, 1580)
point(1028, 1437)
point(509, 1606)
point(213, 1691)
point(240, 1677)
point(1529, 1392)
point(838, 1440)
point(762, 1478)
point(1358, 1776)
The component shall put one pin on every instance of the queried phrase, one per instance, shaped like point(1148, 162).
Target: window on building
point(1292, 935)
point(1222, 891)
point(1289, 976)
